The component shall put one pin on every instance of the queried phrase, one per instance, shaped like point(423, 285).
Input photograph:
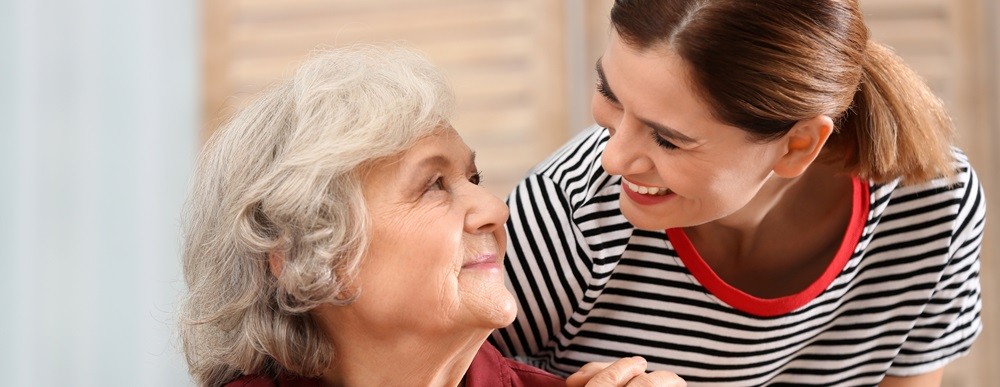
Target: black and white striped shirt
point(902, 297)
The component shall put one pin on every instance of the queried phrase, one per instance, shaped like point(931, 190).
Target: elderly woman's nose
point(486, 212)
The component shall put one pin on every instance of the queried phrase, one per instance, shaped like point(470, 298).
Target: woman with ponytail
point(769, 198)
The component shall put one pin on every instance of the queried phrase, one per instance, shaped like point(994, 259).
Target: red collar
point(771, 307)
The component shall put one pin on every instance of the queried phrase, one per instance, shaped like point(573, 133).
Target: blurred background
point(104, 104)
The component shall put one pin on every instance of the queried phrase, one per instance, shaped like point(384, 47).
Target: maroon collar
point(490, 369)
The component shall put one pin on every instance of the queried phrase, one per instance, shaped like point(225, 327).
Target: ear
point(802, 145)
point(276, 261)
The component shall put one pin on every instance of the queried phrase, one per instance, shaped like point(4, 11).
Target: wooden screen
point(503, 58)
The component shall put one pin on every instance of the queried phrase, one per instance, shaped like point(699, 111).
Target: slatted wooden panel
point(921, 32)
point(933, 37)
point(502, 56)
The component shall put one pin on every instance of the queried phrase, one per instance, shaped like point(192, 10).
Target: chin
point(506, 311)
point(644, 221)
point(503, 312)
point(488, 305)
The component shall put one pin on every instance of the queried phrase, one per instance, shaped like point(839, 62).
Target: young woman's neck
point(366, 358)
point(781, 206)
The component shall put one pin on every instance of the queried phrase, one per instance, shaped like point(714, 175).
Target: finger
point(619, 372)
point(657, 378)
point(583, 375)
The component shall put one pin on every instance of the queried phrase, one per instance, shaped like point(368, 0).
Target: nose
point(486, 212)
point(624, 154)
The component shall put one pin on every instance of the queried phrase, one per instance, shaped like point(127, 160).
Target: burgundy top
point(488, 369)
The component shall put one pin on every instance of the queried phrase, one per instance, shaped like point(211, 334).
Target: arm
point(950, 320)
point(930, 379)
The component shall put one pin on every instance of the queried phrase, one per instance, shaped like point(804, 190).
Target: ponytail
point(895, 127)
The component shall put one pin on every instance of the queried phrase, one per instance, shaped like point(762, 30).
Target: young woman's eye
point(476, 178)
point(603, 90)
point(662, 142)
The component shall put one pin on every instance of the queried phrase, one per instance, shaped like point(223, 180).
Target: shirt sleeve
point(950, 321)
point(546, 269)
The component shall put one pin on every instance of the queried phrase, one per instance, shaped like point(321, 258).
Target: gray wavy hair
point(284, 175)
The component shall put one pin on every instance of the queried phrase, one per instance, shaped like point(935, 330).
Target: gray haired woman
point(336, 234)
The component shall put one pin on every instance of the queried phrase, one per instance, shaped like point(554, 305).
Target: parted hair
point(284, 176)
point(764, 65)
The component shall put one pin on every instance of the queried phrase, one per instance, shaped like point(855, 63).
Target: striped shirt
point(901, 298)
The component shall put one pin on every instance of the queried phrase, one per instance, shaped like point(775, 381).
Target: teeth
point(646, 190)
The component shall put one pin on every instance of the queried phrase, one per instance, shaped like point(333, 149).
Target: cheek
point(735, 188)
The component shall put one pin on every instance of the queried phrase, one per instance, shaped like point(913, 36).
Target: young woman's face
point(435, 263)
point(680, 166)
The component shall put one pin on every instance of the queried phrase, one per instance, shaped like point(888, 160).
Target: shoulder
point(580, 151)
point(573, 172)
point(946, 194)
point(578, 160)
point(252, 381)
point(266, 381)
point(946, 213)
point(528, 376)
point(490, 368)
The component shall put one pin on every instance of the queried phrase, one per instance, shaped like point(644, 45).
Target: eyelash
point(603, 89)
point(438, 182)
point(661, 142)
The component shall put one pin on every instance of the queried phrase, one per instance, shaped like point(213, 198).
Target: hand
point(629, 371)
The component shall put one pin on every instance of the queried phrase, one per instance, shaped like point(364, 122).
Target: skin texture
point(629, 371)
point(431, 287)
point(930, 379)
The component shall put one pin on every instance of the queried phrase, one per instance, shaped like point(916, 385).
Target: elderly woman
point(337, 235)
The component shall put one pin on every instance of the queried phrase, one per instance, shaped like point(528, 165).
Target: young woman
point(770, 198)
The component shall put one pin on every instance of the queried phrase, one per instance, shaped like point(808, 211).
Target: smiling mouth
point(645, 190)
point(482, 259)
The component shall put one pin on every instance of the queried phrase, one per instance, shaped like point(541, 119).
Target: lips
point(645, 189)
point(482, 260)
point(645, 195)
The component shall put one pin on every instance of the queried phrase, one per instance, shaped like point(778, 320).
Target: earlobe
point(276, 262)
point(803, 144)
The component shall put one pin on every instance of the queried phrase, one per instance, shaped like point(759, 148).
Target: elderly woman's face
point(436, 256)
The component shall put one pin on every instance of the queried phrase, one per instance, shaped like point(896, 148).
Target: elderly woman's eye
point(437, 184)
point(476, 178)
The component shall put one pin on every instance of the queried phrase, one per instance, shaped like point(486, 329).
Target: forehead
point(656, 72)
point(443, 147)
point(444, 141)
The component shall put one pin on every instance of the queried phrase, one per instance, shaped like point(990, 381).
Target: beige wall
point(503, 57)
point(523, 72)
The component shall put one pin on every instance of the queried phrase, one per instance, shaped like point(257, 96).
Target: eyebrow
point(667, 132)
point(662, 130)
point(441, 161)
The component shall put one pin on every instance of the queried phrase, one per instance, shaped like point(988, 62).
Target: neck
point(776, 211)
point(364, 356)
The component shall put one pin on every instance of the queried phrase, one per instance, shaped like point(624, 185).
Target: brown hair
point(764, 65)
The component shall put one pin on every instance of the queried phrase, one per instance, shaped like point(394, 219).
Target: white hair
point(284, 176)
